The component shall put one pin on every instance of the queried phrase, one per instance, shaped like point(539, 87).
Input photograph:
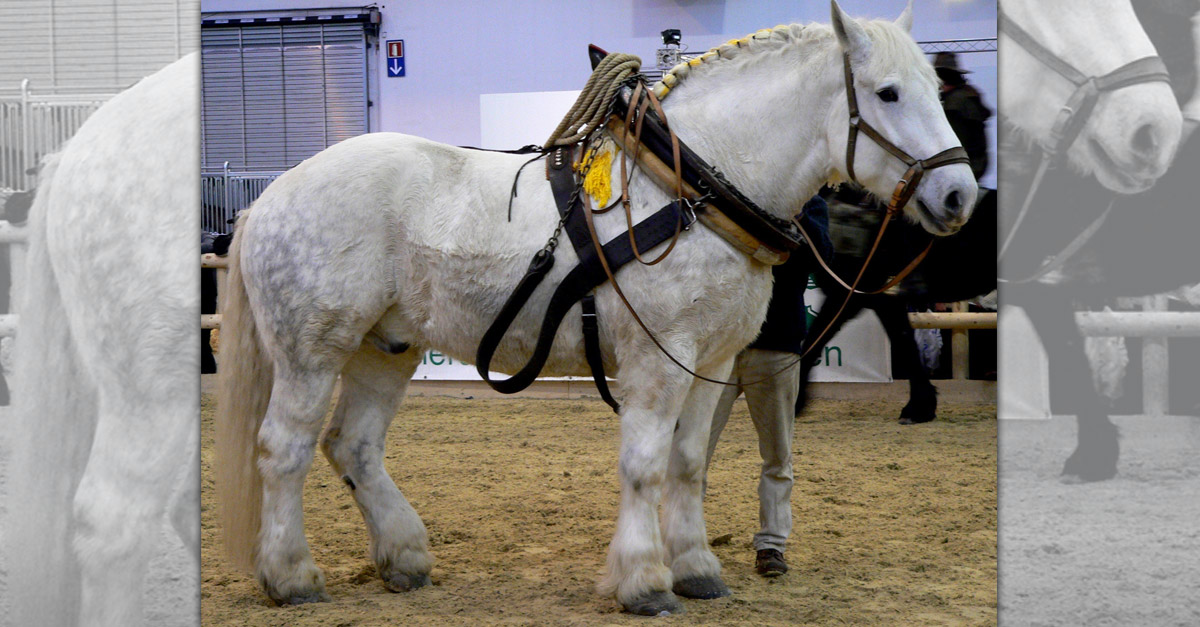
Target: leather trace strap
point(591, 350)
point(582, 279)
point(1069, 123)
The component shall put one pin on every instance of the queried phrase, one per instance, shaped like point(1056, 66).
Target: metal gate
point(33, 125)
point(223, 194)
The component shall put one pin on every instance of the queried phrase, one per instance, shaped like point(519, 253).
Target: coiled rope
point(592, 105)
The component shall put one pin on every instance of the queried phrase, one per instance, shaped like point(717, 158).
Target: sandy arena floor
point(1120, 552)
point(893, 525)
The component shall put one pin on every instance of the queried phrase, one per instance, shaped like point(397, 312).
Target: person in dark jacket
point(768, 371)
point(218, 244)
point(964, 109)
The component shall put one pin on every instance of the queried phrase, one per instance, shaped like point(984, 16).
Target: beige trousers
point(772, 409)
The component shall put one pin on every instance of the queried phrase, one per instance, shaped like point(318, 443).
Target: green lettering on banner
point(437, 359)
point(810, 316)
point(828, 350)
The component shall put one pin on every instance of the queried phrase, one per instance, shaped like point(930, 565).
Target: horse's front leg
point(654, 392)
point(696, 571)
point(818, 335)
point(1098, 449)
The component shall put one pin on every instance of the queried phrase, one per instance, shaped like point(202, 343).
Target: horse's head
point(896, 91)
point(1128, 140)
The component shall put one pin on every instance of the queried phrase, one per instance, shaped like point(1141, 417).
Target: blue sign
point(395, 60)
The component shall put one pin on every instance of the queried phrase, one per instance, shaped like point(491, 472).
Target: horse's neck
point(765, 128)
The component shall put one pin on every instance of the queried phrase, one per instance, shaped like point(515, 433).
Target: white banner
point(860, 352)
point(1024, 369)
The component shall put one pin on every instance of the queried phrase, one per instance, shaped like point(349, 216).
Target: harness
point(701, 193)
point(1069, 124)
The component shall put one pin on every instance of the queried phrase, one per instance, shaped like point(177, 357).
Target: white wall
point(458, 50)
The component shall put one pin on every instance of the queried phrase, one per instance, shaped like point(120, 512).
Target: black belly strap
point(575, 287)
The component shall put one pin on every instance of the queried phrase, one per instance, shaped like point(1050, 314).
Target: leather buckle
point(1064, 117)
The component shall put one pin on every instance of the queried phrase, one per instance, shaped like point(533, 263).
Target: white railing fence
point(225, 192)
point(34, 124)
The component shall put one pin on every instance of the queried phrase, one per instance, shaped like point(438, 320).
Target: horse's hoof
point(401, 582)
point(297, 594)
point(916, 413)
point(1076, 470)
point(701, 588)
point(301, 599)
point(657, 603)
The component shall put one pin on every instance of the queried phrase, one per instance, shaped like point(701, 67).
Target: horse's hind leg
point(922, 395)
point(373, 385)
point(133, 467)
point(284, 565)
point(823, 329)
point(184, 505)
point(696, 571)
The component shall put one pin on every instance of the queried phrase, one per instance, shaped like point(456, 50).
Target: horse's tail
point(48, 439)
point(245, 374)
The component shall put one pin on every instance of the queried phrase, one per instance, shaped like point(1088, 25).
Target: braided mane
point(893, 50)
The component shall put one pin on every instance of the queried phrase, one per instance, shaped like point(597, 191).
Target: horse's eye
point(888, 94)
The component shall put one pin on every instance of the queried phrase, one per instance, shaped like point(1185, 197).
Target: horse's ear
point(596, 54)
point(905, 19)
point(851, 35)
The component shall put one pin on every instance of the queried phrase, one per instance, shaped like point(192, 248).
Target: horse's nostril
point(953, 201)
point(1145, 140)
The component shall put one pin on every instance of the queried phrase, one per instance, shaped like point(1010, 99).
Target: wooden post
point(1155, 366)
point(959, 349)
point(949, 320)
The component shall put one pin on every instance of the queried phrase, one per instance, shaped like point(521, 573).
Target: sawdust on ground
point(893, 525)
point(1118, 552)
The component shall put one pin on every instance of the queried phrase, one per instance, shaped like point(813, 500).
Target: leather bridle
point(903, 192)
point(907, 185)
point(905, 188)
point(1088, 89)
point(1072, 117)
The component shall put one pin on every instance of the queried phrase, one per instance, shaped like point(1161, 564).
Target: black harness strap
point(562, 184)
point(591, 350)
point(576, 285)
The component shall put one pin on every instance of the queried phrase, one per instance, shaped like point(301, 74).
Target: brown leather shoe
point(769, 563)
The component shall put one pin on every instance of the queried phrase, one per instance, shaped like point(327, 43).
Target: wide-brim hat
point(948, 61)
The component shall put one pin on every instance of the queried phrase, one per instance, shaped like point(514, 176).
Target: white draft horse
point(360, 258)
point(103, 440)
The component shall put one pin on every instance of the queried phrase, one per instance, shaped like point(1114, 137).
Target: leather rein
point(1069, 124)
